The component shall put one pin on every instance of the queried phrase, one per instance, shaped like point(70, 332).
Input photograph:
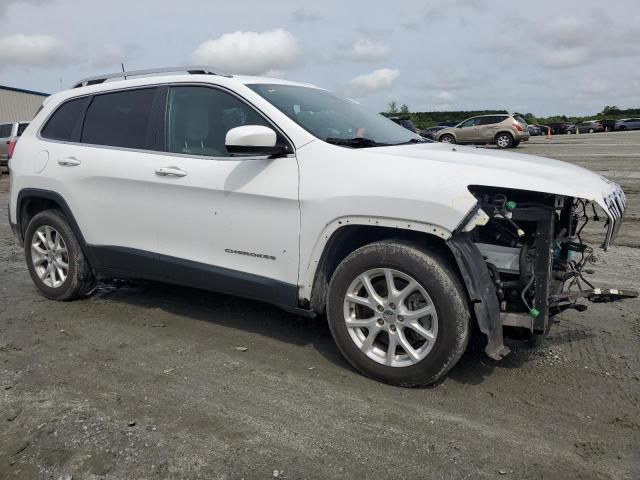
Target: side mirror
point(253, 140)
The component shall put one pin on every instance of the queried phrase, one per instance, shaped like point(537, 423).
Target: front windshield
point(334, 119)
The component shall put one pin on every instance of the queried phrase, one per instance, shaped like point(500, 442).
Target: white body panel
point(287, 208)
point(230, 204)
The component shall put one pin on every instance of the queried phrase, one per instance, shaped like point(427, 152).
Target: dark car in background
point(588, 126)
point(559, 128)
point(431, 132)
point(534, 130)
point(627, 124)
point(406, 123)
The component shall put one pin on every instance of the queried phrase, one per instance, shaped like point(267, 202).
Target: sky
point(546, 57)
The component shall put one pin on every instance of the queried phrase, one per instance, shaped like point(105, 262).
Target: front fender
point(481, 290)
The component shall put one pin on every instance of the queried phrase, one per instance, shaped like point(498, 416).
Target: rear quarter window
point(21, 128)
point(120, 119)
point(65, 123)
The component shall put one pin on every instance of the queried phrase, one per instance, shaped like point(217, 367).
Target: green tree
point(404, 108)
point(393, 107)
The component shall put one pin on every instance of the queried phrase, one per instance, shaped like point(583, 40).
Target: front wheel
point(504, 140)
point(55, 260)
point(398, 313)
point(447, 139)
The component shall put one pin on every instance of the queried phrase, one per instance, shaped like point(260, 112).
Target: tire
point(447, 320)
point(623, 128)
point(447, 138)
point(50, 238)
point(504, 140)
point(591, 130)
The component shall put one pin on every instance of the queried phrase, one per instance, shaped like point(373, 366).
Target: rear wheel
point(591, 130)
point(504, 140)
point(55, 260)
point(447, 139)
point(398, 314)
point(623, 127)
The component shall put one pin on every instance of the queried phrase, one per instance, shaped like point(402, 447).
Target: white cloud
point(32, 51)
point(443, 77)
point(375, 81)
point(112, 55)
point(571, 41)
point(249, 52)
point(368, 50)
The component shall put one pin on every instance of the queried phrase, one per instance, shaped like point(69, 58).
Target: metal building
point(18, 104)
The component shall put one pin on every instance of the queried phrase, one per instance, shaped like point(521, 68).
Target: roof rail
point(194, 70)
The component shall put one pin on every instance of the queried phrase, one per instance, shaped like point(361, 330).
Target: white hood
point(497, 168)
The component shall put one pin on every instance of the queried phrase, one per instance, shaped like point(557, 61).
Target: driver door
point(225, 223)
point(467, 130)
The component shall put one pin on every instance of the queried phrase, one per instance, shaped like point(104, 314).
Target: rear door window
point(492, 119)
point(120, 119)
point(5, 130)
point(66, 121)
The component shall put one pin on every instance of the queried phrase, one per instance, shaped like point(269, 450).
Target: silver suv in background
point(503, 130)
point(627, 124)
point(9, 134)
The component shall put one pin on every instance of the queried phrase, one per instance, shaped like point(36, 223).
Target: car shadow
point(270, 321)
point(225, 310)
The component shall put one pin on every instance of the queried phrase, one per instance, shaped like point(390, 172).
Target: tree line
point(424, 120)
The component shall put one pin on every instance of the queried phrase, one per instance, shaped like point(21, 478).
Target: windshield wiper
point(415, 140)
point(358, 142)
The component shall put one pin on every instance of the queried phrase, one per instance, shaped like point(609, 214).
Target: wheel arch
point(32, 201)
point(350, 236)
point(495, 137)
point(451, 134)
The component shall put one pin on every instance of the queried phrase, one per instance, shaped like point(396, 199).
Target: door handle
point(170, 172)
point(69, 162)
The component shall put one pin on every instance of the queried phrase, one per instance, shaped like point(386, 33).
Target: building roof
point(22, 90)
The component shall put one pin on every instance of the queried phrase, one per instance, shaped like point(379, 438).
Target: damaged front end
point(523, 259)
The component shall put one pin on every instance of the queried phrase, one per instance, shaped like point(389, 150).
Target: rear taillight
point(11, 145)
point(518, 127)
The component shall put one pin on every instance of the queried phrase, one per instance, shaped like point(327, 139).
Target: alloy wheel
point(390, 317)
point(503, 141)
point(50, 256)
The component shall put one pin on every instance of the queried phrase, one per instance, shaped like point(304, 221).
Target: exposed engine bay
point(531, 243)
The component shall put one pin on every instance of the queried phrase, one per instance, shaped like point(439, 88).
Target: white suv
point(286, 193)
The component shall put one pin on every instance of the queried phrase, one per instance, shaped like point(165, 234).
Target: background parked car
point(505, 131)
point(559, 128)
point(431, 132)
point(406, 123)
point(9, 133)
point(627, 124)
point(535, 130)
point(589, 126)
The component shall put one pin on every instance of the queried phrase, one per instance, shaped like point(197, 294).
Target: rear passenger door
point(489, 126)
point(228, 223)
point(100, 152)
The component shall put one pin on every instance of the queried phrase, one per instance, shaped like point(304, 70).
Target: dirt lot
point(145, 381)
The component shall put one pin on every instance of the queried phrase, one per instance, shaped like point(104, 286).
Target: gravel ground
point(148, 381)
